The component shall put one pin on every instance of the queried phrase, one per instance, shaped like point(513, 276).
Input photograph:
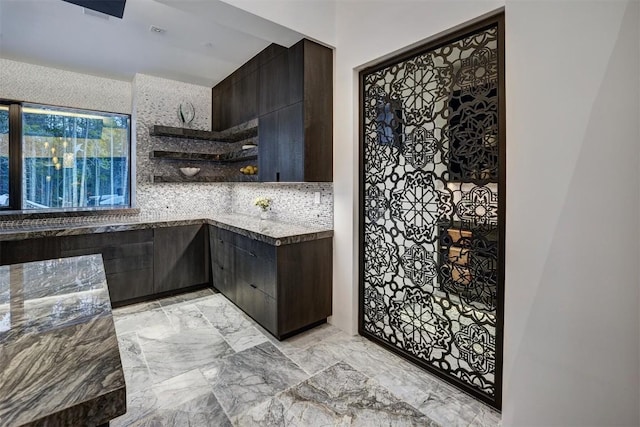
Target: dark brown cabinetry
point(19, 251)
point(293, 102)
point(180, 257)
point(281, 147)
point(295, 127)
point(127, 258)
point(284, 288)
point(137, 263)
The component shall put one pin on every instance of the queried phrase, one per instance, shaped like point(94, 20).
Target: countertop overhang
point(59, 357)
point(272, 232)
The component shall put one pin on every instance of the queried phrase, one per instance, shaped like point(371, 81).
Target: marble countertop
point(59, 357)
point(273, 232)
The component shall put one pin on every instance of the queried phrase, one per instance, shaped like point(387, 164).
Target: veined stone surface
point(59, 357)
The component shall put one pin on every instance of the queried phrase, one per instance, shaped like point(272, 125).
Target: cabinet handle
point(253, 286)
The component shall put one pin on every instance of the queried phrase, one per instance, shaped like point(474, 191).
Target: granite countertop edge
point(272, 232)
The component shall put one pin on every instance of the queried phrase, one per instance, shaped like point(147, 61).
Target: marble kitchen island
point(59, 357)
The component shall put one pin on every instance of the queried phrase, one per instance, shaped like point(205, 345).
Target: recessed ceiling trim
point(158, 30)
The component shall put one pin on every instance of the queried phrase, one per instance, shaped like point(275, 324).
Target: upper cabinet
point(290, 91)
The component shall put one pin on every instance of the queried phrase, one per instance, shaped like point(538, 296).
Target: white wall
point(572, 329)
point(571, 308)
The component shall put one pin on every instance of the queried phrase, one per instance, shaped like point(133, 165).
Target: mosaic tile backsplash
point(45, 85)
point(290, 202)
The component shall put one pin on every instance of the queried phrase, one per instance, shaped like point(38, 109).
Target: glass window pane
point(74, 158)
point(4, 155)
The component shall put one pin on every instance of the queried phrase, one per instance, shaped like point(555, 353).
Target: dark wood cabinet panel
point(296, 73)
point(235, 100)
point(180, 256)
point(304, 278)
point(268, 147)
point(291, 143)
point(255, 265)
point(19, 251)
point(222, 260)
point(318, 112)
point(274, 84)
point(301, 127)
point(281, 148)
point(290, 91)
point(130, 285)
point(284, 288)
point(261, 307)
point(127, 258)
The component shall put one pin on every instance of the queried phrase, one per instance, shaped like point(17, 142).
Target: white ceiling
point(205, 40)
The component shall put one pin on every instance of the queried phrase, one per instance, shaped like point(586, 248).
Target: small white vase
point(264, 214)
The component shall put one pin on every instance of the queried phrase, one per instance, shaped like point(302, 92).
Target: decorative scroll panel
point(430, 199)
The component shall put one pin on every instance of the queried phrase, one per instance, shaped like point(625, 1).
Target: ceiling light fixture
point(158, 30)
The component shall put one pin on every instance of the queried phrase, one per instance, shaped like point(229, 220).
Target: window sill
point(16, 215)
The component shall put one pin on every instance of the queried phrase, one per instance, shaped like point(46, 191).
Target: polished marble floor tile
point(140, 404)
point(138, 320)
point(337, 396)
point(169, 352)
point(249, 377)
point(196, 359)
point(186, 316)
point(203, 411)
point(246, 338)
point(136, 371)
point(223, 315)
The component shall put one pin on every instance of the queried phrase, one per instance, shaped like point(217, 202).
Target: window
point(70, 159)
point(4, 155)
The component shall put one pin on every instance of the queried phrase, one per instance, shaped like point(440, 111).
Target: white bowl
point(189, 171)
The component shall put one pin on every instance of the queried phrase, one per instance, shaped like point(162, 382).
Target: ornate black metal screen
point(432, 222)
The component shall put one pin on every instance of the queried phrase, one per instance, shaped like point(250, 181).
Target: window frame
point(16, 169)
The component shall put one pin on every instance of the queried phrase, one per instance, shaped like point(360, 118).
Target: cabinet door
point(180, 257)
point(281, 147)
point(291, 143)
point(274, 84)
point(222, 262)
point(127, 258)
point(19, 251)
point(255, 265)
point(244, 99)
point(268, 148)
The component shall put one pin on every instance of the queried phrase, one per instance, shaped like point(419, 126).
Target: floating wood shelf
point(230, 157)
point(230, 135)
point(204, 178)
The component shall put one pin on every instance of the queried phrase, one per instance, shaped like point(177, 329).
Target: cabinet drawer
point(221, 243)
point(130, 284)
point(109, 252)
point(255, 265)
point(100, 240)
point(258, 305)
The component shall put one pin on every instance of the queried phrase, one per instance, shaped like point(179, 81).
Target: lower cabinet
point(284, 288)
point(127, 258)
point(180, 257)
point(138, 263)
